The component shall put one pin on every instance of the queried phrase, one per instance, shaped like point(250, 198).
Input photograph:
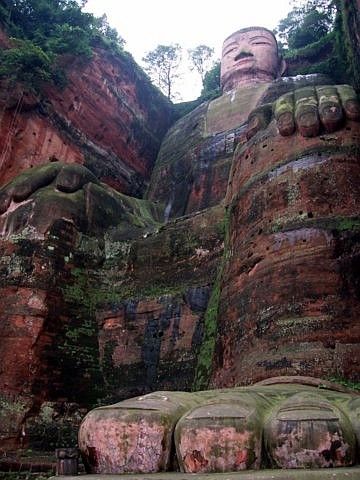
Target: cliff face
point(102, 300)
point(108, 118)
point(86, 319)
point(112, 120)
point(290, 291)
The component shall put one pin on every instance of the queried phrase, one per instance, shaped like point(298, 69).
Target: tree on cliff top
point(200, 58)
point(211, 83)
point(162, 66)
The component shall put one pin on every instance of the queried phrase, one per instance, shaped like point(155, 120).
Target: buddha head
point(250, 56)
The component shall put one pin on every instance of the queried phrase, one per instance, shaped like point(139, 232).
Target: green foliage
point(347, 41)
point(206, 353)
point(200, 58)
point(69, 39)
point(314, 50)
point(312, 27)
point(211, 82)
point(318, 57)
point(306, 23)
point(25, 63)
point(353, 385)
point(335, 53)
point(42, 30)
point(162, 65)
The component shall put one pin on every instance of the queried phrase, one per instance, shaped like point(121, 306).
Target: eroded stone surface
point(134, 435)
point(86, 317)
point(289, 302)
point(220, 437)
point(308, 431)
point(293, 425)
point(39, 196)
point(109, 118)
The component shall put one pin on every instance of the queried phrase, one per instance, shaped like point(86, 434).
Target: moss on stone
point(28, 182)
point(79, 346)
point(48, 170)
point(205, 357)
point(345, 382)
point(291, 222)
point(284, 104)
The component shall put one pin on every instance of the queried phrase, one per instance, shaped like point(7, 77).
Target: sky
point(144, 24)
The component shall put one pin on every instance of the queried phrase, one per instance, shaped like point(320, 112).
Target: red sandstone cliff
point(86, 317)
point(108, 117)
point(289, 295)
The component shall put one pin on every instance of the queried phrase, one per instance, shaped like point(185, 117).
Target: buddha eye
point(260, 43)
point(229, 51)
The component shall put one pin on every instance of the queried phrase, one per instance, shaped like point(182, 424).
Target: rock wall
point(151, 326)
point(102, 301)
point(191, 172)
point(289, 300)
point(88, 318)
point(108, 118)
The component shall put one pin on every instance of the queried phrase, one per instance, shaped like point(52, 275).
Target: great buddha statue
point(282, 155)
point(193, 164)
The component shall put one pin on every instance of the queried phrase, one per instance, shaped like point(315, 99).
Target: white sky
point(144, 24)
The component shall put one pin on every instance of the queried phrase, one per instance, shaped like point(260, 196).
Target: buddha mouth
point(243, 55)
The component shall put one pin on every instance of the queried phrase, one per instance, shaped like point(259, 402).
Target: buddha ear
point(282, 67)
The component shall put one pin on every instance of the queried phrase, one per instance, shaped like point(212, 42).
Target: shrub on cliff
point(315, 38)
point(25, 63)
point(211, 83)
point(41, 30)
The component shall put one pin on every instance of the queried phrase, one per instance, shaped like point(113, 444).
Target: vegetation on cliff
point(41, 31)
point(319, 37)
point(162, 65)
point(348, 41)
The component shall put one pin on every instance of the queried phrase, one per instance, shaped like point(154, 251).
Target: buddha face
point(249, 56)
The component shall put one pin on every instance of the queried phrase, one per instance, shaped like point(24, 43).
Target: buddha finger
point(350, 101)
point(330, 110)
point(306, 112)
point(284, 114)
point(258, 120)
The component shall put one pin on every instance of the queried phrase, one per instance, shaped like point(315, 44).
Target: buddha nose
point(242, 47)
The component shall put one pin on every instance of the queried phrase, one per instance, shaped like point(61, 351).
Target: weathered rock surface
point(108, 118)
point(192, 169)
point(290, 426)
point(135, 435)
point(151, 322)
point(101, 299)
point(85, 316)
point(289, 297)
point(39, 196)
